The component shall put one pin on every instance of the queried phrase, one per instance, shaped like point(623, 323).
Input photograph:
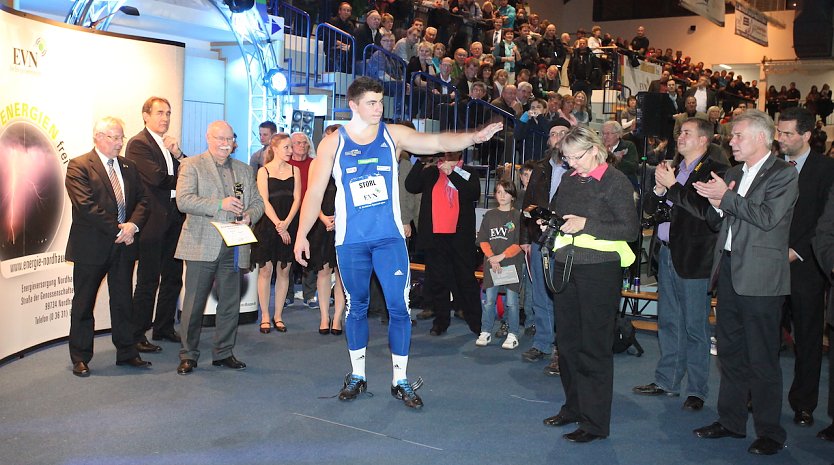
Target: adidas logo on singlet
point(398, 273)
point(384, 145)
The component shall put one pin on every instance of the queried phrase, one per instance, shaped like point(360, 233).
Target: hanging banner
point(751, 24)
point(637, 79)
point(712, 10)
point(57, 80)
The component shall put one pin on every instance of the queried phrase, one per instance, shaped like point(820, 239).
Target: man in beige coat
point(213, 187)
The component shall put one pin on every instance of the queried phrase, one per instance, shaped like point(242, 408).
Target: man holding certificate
point(214, 188)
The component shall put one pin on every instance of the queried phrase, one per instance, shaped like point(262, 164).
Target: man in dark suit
point(753, 206)
point(367, 34)
point(544, 182)
point(806, 304)
point(109, 206)
point(684, 265)
point(659, 85)
point(823, 244)
point(704, 96)
point(448, 246)
point(157, 158)
point(212, 187)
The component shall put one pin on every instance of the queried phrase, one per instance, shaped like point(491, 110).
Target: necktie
point(117, 189)
point(793, 163)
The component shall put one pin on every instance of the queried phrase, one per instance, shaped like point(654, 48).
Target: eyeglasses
point(223, 139)
point(576, 158)
point(113, 138)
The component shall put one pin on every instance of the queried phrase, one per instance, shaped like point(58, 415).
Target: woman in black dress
point(323, 259)
point(279, 182)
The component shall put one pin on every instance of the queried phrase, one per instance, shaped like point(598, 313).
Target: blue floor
point(483, 406)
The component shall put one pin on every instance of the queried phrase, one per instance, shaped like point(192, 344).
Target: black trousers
point(806, 307)
point(585, 314)
point(748, 336)
point(86, 279)
point(452, 270)
point(158, 270)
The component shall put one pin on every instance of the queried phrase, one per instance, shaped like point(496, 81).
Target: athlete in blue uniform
point(362, 159)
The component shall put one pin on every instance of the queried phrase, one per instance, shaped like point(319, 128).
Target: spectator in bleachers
point(367, 34)
point(465, 82)
point(485, 76)
point(419, 64)
point(476, 50)
point(531, 130)
point(459, 63)
point(583, 69)
point(383, 67)
point(539, 80)
point(524, 95)
point(507, 12)
point(550, 48)
point(526, 46)
point(689, 111)
point(535, 24)
point(520, 16)
point(406, 48)
point(507, 101)
point(582, 109)
point(566, 111)
point(704, 96)
point(674, 96)
point(628, 115)
point(811, 100)
point(500, 79)
point(338, 52)
point(825, 105)
point(488, 11)
point(659, 85)
point(419, 24)
point(466, 8)
point(640, 43)
point(506, 54)
point(475, 115)
point(793, 96)
point(624, 152)
point(523, 75)
point(494, 36)
point(554, 104)
point(437, 56)
point(552, 81)
point(430, 35)
point(387, 23)
point(595, 41)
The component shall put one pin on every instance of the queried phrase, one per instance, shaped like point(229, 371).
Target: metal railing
point(433, 103)
point(339, 72)
point(298, 42)
point(389, 69)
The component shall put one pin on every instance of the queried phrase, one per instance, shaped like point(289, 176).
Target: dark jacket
point(421, 180)
point(691, 241)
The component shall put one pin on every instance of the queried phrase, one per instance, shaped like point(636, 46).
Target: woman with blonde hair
point(280, 184)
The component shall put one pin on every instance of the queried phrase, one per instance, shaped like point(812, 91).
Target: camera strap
point(548, 272)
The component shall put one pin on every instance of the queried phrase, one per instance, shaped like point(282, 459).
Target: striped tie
point(117, 189)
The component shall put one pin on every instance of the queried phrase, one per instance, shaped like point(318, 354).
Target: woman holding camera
point(597, 204)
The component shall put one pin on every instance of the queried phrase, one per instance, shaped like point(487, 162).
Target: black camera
point(549, 218)
point(663, 214)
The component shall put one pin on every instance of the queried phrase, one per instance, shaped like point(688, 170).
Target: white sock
point(357, 362)
point(400, 363)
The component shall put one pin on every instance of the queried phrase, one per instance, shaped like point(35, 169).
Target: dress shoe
point(147, 348)
point(437, 331)
point(172, 337)
point(559, 420)
point(135, 362)
point(581, 436)
point(186, 366)
point(715, 431)
point(693, 404)
point(653, 390)
point(803, 418)
point(765, 446)
point(80, 369)
point(827, 434)
point(532, 355)
point(230, 362)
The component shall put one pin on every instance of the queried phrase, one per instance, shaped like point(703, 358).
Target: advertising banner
point(57, 80)
point(712, 10)
point(751, 24)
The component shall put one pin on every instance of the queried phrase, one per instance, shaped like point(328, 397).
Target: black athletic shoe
point(354, 385)
point(405, 392)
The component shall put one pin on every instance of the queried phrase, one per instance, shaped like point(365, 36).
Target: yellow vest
point(587, 241)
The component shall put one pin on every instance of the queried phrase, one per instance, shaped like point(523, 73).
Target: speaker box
point(303, 121)
point(813, 29)
point(654, 114)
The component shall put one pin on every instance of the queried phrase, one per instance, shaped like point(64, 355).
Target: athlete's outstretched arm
point(419, 143)
point(321, 169)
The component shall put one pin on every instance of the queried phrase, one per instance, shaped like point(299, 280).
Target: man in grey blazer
point(753, 207)
point(208, 189)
